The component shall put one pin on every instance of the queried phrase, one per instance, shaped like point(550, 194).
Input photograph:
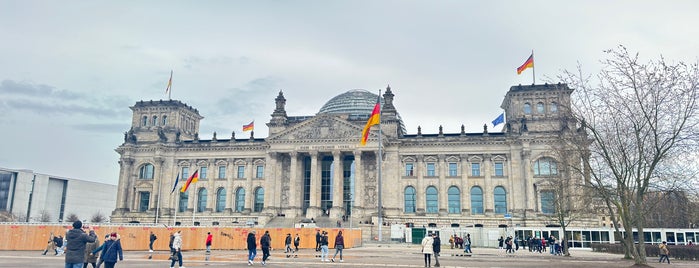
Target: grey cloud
point(63, 109)
point(103, 128)
point(248, 99)
point(42, 91)
point(194, 61)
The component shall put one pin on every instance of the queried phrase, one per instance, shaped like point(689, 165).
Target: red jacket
point(208, 239)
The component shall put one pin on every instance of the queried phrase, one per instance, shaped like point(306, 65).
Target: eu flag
point(499, 120)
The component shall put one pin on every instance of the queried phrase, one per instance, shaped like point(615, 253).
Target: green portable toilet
point(418, 235)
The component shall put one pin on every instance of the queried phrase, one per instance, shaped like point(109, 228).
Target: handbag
point(174, 256)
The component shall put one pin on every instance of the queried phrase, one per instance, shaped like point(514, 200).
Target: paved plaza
point(370, 255)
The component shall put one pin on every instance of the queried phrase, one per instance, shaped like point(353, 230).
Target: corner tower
point(164, 121)
point(538, 108)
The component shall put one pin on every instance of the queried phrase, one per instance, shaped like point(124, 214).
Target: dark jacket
point(153, 237)
point(318, 236)
point(324, 240)
point(265, 241)
point(297, 241)
point(287, 241)
point(89, 247)
point(75, 248)
point(252, 243)
point(340, 241)
point(110, 249)
point(437, 245)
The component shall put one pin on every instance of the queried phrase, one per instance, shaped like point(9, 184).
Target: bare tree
point(640, 118)
point(97, 217)
point(72, 217)
point(44, 216)
point(6, 216)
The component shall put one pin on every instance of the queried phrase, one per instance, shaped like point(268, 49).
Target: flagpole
point(379, 171)
point(157, 206)
point(194, 210)
point(533, 68)
point(169, 93)
point(177, 207)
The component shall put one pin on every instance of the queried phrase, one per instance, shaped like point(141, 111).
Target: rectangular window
point(547, 205)
point(241, 172)
point(145, 199)
point(453, 170)
point(476, 169)
point(202, 173)
point(185, 173)
point(260, 172)
point(222, 172)
point(430, 170)
point(499, 169)
point(409, 169)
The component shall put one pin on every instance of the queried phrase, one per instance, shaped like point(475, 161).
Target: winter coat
point(209, 238)
point(111, 249)
point(265, 241)
point(340, 241)
point(89, 247)
point(75, 248)
point(297, 241)
point(427, 247)
point(436, 244)
point(177, 242)
point(252, 241)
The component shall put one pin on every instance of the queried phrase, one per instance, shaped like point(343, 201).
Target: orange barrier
point(35, 237)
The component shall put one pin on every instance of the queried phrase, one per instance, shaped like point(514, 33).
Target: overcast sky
point(70, 70)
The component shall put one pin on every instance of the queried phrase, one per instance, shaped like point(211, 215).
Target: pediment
point(322, 127)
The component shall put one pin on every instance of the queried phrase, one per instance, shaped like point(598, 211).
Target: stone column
point(125, 184)
point(250, 194)
point(231, 169)
point(442, 186)
point(337, 209)
point(530, 198)
point(295, 188)
point(488, 202)
point(271, 184)
point(465, 185)
point(314, 210)
point(357, 196)
point(420, 188)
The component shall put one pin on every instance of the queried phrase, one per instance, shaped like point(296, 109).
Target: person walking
point(501, 242)
point(75, 245)
point(112, 249)
point(265, 244)
point(172, 239)
point(176, 249)
point(664, 253)
point(318, 237)
point(287, 245)
point(339, 245)
point(252, 247)
point(427, 249)
point(91, 258)
point(297, 241)
point(209, 238)
point(152, 239)
point(58, 241)
point(436, 248)
point(451, 241)
point(467, 244)
point(324, 247)
point(98, 250)
point(51, 245)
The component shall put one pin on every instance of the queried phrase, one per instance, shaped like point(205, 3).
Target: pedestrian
point(209, 238)
point(517, 243)
point(112, 249)
point(467, 243)
point(664, 253)
point(436, 248)
point(176, 250)
point(265, 244)
point(51, 245)
point(287, 245)
point(318, 237)
point(89, 256)
point(551, 241)
point(297, 241)
point(75, 245)
point(501, 242)
point(451, 241)
point(324, 247)
point(98, 250)
point(508, 245)
point(339, 245)
point(427, 249)
point(252, 247)
point(172, 238)
point(152, 239)
point(58, 241)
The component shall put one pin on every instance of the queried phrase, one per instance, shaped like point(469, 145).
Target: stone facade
point(313, 167)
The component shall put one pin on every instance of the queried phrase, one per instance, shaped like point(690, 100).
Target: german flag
point(374, 119)
point(527, 64)
point(249, 127)
point(192, 179)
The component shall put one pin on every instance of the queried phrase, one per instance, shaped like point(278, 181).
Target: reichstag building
point(313, 167)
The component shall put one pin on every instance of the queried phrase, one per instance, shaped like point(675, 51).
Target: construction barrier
point(36, 237)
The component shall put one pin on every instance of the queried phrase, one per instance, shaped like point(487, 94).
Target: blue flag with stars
point(499, 120)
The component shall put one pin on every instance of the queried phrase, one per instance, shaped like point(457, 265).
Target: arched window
point(553, 107)
point(540, 107)
point(500, 198)
point(547, 204)
point(259, 199)
point(527, 108)
point(164, 120)
point(545, 166)
point(155, 120)
point(239, 200)
point(201, 204)
point(409, 202)
point(476, 200)
point(432, 205)
point(146, 172)
point(184, 199)
point(454, 196)
point(144, 121)
point(220, 199)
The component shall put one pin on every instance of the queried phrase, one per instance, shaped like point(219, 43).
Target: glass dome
point(356, 102)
